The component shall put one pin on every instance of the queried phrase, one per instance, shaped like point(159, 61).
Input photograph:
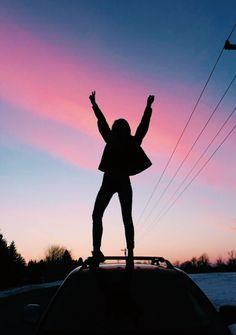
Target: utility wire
point(194, 177)
point(198, 160)
point(191, 170)
point(185, 127)
point(199, 171)
point(193, 145)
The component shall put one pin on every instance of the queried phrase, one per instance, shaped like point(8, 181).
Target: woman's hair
point(121, 128)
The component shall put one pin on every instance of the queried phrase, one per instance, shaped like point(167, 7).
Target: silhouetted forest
point(15, 271)
point(58, 262)
point(202, 264)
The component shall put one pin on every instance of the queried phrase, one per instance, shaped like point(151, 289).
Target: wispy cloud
point(59, 140)
point(47, 82)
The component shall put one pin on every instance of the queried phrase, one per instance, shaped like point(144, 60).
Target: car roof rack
point(153, 259)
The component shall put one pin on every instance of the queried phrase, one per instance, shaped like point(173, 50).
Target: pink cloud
point(58, 140)
point(37, 77)
point(49, 82)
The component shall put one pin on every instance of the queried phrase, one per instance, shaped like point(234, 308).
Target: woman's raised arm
point(145, 121)
point(103, 126)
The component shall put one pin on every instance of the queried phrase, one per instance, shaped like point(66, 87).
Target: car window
point(141, 301)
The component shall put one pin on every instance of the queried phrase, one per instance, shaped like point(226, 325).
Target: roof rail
point(153, 259)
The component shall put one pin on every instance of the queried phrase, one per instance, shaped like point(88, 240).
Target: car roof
point(141, 263)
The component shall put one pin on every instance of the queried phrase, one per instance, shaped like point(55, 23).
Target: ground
point(12, 310)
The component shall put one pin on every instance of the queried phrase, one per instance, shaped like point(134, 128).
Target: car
point(152, 297)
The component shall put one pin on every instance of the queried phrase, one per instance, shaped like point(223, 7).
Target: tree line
point(56, 265)
point(58, 262)
point(202, 264)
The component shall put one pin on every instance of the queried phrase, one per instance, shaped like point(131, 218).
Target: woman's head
point(121, 128)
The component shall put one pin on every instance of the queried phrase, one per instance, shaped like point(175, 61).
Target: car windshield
point(137, 302)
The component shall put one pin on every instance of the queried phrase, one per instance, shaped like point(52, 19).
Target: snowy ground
point(220, 289)
point(27, 288)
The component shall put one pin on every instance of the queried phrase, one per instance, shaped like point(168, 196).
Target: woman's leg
point(125, 194)
point(104, 196)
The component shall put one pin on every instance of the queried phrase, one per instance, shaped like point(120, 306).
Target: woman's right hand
point(92, 97)
point(150, 100)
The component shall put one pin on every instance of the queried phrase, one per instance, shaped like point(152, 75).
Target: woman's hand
point(92, 97)
point(150, 100)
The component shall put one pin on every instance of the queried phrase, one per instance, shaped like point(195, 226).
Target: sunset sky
point(53, 54)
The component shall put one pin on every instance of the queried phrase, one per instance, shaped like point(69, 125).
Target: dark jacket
point(125, 155)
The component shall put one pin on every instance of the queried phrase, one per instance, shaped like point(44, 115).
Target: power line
point(200, 170)
point(194, 177)
point(199, 159)
point(193, 145)
point(184, 129)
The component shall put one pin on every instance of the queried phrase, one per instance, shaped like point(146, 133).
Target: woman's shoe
point(130, 260)
point(98, 256)
point(129, 263)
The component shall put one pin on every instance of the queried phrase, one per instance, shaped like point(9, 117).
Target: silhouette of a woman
point(122, 157)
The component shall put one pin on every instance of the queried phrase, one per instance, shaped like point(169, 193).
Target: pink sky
point(46, 88)
point(48, 83)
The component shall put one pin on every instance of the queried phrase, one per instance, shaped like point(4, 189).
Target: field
point(219, 287)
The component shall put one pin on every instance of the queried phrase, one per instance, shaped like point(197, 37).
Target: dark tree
point(232, 260)
point(16, 266)
point(203, 263)
point(66, 258)
point(54, 254)
point(80, 261)
point(58, 263)
point(4, 262)
point(12, 265)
